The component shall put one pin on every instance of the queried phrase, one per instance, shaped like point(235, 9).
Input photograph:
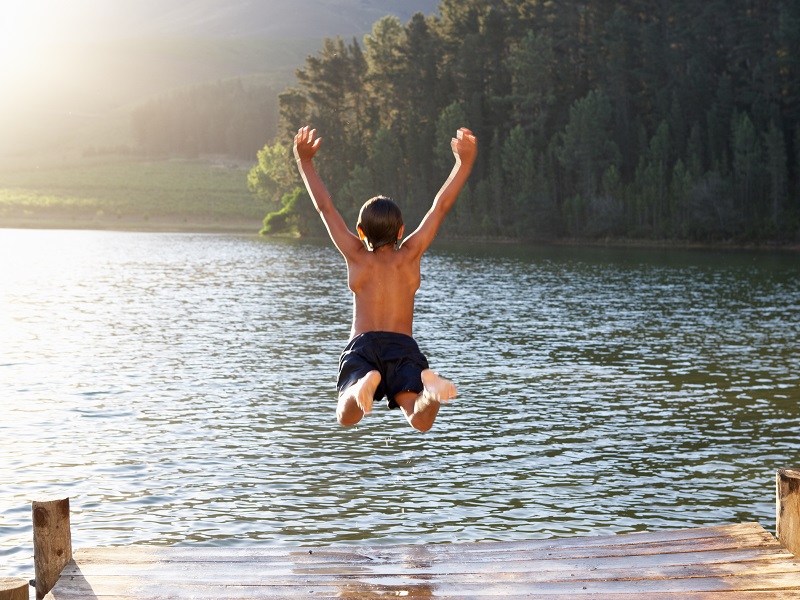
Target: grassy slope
point(175, 195)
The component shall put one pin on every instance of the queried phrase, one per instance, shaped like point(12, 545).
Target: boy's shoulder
point(399, 258)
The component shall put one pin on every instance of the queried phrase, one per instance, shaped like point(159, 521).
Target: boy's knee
point(422, 422)
point(422, 426)
point(348, 420)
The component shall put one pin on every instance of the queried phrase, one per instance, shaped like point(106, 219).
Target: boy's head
point(380, 222)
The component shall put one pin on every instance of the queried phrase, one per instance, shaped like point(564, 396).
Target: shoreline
point(238, 226)
point(156, 226)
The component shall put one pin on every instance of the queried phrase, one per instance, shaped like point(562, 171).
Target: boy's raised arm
point(306, 144)
point(465, 149)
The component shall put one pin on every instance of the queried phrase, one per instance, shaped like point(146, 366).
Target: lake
point(180, 389)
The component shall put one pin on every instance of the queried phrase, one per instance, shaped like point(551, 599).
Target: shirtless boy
point(382, 358)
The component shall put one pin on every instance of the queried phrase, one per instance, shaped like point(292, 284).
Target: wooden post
point(52, 542)
point(13, 588)
point(787, 497)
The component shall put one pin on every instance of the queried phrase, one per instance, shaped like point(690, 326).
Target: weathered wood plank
point(735, 595)
point(278, 567)
point(751, 535)
point(423, 554)
point(257, 574)
point(136, 588)
point(721, 536)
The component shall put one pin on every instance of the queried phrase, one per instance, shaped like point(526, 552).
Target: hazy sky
point(29, 29)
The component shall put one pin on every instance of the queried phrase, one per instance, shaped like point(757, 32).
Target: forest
point(229, 117)
point(635, 119)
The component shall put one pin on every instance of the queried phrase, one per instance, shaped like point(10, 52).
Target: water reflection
point(180, 388)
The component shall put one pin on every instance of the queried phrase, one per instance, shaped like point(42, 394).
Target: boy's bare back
point(383, 283)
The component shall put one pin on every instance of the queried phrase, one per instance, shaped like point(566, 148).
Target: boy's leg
point(421, 409)
point(356, 401)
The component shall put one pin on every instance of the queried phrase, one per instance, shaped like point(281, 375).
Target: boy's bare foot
point(437, 389)
point(363, 391)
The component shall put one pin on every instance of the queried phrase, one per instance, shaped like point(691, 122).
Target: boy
point(384, 275)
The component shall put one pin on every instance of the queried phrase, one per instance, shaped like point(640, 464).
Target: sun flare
point(18, 38)
point(32, 33)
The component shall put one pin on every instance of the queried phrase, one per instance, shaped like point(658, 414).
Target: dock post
point(13, 588)
point(787, 498)
point(52, 542)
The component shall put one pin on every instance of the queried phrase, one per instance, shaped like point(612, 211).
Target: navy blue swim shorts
point(395, 356)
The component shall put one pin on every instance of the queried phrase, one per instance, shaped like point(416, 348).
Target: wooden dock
point(720, 563)
point(726, 562)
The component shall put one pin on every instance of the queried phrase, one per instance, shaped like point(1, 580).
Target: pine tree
point(777, 170)
point(587, 150)
point(747, 167)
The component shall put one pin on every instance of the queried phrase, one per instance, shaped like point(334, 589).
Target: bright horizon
point(31, 29)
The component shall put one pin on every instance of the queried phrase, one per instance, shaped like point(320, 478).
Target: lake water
point(179, 388)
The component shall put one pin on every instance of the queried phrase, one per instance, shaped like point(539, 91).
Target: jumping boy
point(382, 359)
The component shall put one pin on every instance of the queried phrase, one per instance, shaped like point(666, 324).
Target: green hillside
point(131, 194)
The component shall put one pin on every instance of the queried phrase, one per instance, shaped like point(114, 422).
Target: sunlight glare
point(31, 30)
point(17, 37)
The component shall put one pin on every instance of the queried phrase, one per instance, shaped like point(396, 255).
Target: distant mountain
point(103, 19)
point(274, 18)
point(88, 62)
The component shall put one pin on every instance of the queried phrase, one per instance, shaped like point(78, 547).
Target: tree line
point(595, 118)
point(230, 117)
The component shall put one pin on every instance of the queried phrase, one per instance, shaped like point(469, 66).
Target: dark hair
point(380, 219)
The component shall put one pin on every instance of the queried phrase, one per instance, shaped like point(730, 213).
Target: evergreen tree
point(747, 168)
point(652, 182)
point(420, 105)
point(386, 160)
point(385, 63)
point(532, 96)
point(519, 166)
point(334, 84)
point(777, 169)
point(586, 151)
